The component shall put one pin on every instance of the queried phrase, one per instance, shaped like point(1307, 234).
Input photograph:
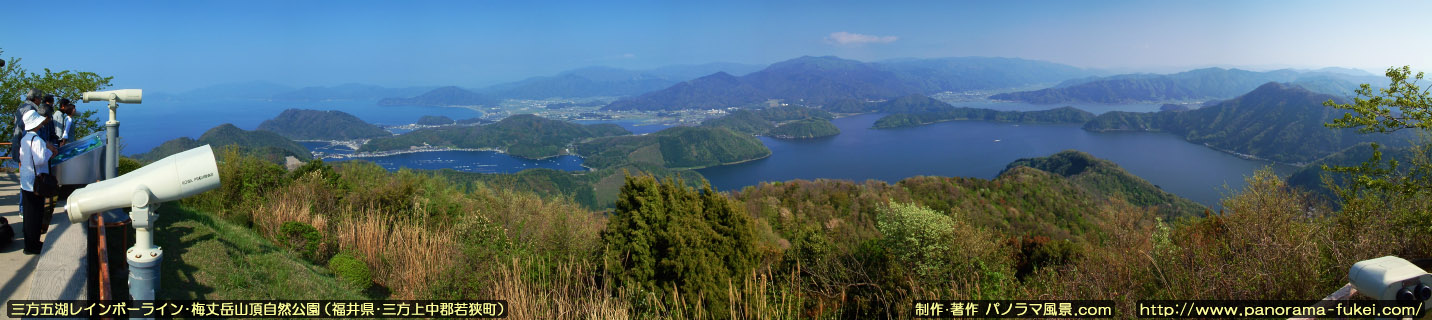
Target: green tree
point(14, 80)
point(1403, 104)
point(942, 250)
point(667, 240)
point(1378, 187)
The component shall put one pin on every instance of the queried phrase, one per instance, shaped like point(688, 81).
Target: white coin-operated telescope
point(119, 96)
point(1393, 279)
point(172, 178)
point(1388, 278)
point(115, 97)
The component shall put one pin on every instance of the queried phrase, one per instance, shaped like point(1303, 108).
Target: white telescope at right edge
point(172, 178)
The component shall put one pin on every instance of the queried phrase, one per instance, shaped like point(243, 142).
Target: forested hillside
point(1277, 122)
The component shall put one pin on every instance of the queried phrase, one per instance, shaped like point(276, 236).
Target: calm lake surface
point(982, 149)
point(959, 148)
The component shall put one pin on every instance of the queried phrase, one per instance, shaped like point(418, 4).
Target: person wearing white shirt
point(34, 159)
point(65, 121)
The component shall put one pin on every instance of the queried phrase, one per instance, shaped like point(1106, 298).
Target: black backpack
point(7, 233)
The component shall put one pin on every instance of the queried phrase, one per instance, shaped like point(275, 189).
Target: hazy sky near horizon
point(174, 46)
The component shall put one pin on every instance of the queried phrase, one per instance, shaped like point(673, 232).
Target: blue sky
point(175, 46)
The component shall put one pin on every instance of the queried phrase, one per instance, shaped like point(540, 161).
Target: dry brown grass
point(761, 296)
point(285, 207)
point(572, 293)
point(405, 258)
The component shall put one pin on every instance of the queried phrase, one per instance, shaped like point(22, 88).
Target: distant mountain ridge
point(607, 81)
point(1199, 84)
point(442, 97)
point(235, 90)
point(348, 91)
point(818, 81)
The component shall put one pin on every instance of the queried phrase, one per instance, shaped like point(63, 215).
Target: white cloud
point(855, 39)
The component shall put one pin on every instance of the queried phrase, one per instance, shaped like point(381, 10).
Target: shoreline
point(400, 152)
point(1253, 157)
point(432, 149)
point(768, 155)
point(440, 149)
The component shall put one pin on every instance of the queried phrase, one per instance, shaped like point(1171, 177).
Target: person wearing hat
point(34, 159)
point(30, 102)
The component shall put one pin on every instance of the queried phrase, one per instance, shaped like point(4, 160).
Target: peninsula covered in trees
point(302, 124)
point(527, 136)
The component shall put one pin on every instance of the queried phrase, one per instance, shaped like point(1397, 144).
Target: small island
point(804, 129)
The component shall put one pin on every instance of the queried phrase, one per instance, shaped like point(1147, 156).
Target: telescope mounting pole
point(111, 132)
point(143, 257)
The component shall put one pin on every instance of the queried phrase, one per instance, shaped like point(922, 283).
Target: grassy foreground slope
point(206, 258)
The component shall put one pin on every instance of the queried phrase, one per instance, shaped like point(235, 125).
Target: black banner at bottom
point(1013, 309)
point(258, 308)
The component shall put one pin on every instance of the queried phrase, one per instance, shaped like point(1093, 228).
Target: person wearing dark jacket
point(31, 101)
